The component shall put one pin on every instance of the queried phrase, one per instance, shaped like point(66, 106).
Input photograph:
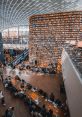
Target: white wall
point(73, 86)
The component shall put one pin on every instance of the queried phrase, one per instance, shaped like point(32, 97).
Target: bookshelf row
point(49, 32)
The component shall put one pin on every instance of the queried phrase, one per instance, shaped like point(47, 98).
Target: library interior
point(40, 58)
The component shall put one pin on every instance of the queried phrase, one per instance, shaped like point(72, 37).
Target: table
point(34, 95)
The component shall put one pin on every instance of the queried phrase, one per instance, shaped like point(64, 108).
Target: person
point(21, 94)
point(52, 97)
point(33, 110)
point(43, 111)
point(58, 102)
point(9, 112)
point(2, 77)
point(6, 82)
point(3, 101)
point(2, 98)
point(1, 74)
point(22, 84)
point(56, 65)
point(49, 113)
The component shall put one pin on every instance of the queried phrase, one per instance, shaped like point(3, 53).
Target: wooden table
point(35, 95)
point(17, 84)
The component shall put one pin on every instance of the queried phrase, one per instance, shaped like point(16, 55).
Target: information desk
point(34, 95)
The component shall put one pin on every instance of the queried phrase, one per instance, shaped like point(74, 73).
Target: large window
point(16, 35)
point(13, 33)
point(5, 34)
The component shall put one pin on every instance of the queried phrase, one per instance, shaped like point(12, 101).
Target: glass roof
point(17, 12)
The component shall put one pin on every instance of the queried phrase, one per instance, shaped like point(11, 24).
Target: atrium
point(40, 58)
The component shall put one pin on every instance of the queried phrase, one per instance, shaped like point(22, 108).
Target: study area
point(40, 58)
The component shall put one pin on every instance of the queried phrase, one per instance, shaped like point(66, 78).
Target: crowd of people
point(35, 110)
point(9, 112)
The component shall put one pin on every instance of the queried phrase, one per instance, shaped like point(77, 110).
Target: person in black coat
point(43, 111)
point(9, 112)
point(49, 113)
point(52, 97)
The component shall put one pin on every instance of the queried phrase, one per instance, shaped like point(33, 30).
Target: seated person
point(17, 77)
point(45, 95)
point(10, 84)
point(9, 77)
point(33, 110)
point(52, 97)
point(43, 111)
point(49, 113)
point(40, 91)
point(20, 94)
point(29, 86)
point(22, 85)
point(5, 81)
point(58, 102)
point(23, 65)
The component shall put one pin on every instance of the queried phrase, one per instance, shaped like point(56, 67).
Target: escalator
point(20, 58)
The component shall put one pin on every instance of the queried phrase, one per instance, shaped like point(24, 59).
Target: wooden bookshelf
point(49, 32)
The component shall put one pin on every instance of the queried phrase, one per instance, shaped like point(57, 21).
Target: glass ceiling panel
point(17, 12)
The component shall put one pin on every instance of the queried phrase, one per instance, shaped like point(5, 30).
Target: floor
point(21, 110)
point(49, 83)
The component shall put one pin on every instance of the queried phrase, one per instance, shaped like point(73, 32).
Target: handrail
point(20, 57)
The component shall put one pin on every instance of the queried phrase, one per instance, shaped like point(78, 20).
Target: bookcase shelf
point(49, 31)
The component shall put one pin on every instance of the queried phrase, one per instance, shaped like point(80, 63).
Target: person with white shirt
point(2, 98)
point(1, 95)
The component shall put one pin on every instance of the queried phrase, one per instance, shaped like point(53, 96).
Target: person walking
point(2, 99)
point(9, 112)
point(1, 73)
